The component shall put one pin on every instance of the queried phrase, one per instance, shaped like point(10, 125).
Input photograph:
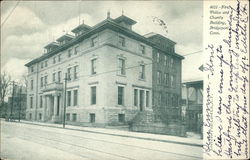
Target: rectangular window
point(135, 97)
point(165, 60)
point(142, 72)
point(121, 118)
point(94, 41)
point(171, 63)
point(141, 100)
point(32, 69)
point(93, 66)
point(59, 76)
point(174, 81)
point(46, 64)
point(158, 57)
point(171, 80)
point(76, 50)
point(142, 49)
point(69, 53)
point(30, 116)
point(67, 117)
point(54, 77)
point(92, 117)
point(69, 73)
point(122, 41)
point(31, 102)
point(120, 95)
point(59, 58)
point(46, 80)
point(147, 98)
point(167, 96)
point(121, 65)
point(41, 82)
point(40, 116)
point(167, 79)
point(54, 60)
point(74, 117)
point(41, 64)
point(68, 98)
point(160, 99)
point(75, 97)
point(31, 84)
point(76, 72)
point(41, 101)
point(93, 95)
point(158, 77)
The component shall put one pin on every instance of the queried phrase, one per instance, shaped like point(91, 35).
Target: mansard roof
point(108, 23)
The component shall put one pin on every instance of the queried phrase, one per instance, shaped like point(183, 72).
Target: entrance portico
point(52, 98)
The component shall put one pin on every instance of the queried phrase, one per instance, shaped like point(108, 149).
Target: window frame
point(121, 66)
point(68, 98)
point(75, 97)
point(142, 75)
point(120, 95)
point(121, 41)
point(93, 94)
point(94, 66)
point(142, 49)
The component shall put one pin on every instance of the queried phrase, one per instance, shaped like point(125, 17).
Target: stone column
point(48, 105)
point(55, 104)
point(44, 107)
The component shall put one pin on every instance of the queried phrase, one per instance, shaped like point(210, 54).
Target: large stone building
point(166, 72)
point(109, 75)
point(16, 107)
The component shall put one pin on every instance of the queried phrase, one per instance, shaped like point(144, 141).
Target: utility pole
point(20, 103)
point(12, 100)
point(65, 91)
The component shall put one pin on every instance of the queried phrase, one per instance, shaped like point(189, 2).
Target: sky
point(34, 24)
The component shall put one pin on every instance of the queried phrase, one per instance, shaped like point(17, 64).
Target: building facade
point(166, 72)
point(104, 74)
point(16, 106)
point(105, 65)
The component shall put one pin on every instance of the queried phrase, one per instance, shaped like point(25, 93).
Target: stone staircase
point(143, 117)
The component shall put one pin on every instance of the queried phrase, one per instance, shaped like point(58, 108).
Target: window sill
point(118, 105)
point(142, 79)
point(121, 75)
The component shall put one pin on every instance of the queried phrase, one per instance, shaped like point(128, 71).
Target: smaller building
point(192, 101)
point(16, 107)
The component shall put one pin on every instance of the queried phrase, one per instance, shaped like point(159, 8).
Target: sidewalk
point(114, 132)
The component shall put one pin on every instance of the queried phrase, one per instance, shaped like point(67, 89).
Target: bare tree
point(24, 81)
point(5, 82)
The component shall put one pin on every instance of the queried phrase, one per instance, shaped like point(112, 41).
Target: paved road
point(28, 142)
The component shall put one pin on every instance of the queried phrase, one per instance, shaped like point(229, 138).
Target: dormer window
point(122, 41)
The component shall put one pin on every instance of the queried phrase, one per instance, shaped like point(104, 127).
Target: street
point(29, 142)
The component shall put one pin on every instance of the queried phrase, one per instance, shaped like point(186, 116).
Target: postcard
point(116, 80)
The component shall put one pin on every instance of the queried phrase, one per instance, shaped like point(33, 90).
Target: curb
point(119, 135)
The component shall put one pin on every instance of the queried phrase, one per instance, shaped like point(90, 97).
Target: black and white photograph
point(102, 80)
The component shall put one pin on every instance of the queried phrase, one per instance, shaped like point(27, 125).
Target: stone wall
point(160, 128)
